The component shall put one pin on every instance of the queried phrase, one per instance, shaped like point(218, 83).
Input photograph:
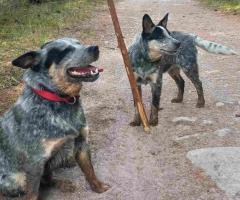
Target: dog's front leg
point(34, 173)
point(156, 94)
point(83, 158)
point(137, 120)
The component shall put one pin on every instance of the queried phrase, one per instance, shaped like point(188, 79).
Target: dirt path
point(155, 166)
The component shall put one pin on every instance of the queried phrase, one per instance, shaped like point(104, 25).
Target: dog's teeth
point(93, 72)
point(75, 73)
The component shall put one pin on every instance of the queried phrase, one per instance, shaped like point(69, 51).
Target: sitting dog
point(157, 50)
point(46, 128)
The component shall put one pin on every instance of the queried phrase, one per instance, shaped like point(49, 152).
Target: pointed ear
point(27, 60)
point(147, 24)
point(164, 21)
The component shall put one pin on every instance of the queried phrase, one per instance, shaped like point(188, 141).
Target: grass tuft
point(230, 6)
point(26, 26)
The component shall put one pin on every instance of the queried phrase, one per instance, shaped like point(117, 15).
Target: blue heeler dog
point(157, 50)
point(46, 128)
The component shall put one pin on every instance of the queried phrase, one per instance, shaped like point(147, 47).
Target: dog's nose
point(178, 44)
point(93, 49)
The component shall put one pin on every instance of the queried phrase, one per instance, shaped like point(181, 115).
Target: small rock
point(207, 122)
point(213, 71)
point(183, 127)
point(184, 120)
point(197, 135)
point(223, 132)
point(219, 104)
point(153, 153)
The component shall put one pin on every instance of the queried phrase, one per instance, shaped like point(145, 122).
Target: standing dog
point(157, 50)
point(46, 128)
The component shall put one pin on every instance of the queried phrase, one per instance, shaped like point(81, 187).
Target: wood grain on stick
point(121, 44)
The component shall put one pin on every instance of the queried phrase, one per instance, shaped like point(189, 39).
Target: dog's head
point(157, 38)
point(60, 65)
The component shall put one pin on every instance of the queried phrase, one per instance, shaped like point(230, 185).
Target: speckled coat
point(38, 135)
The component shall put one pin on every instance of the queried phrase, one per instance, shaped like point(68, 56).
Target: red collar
point(54, 97)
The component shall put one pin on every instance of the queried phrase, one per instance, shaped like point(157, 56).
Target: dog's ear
point(27, 60)
point(147, 24)
point(164, 21)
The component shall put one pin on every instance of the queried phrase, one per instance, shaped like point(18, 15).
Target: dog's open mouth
point(84, 72)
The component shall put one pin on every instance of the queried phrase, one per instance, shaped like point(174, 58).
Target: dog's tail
point(213, 47)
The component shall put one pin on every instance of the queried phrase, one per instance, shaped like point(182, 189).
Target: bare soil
point(154, 167)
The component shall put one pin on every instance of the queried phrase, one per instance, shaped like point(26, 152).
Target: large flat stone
point(222, 164)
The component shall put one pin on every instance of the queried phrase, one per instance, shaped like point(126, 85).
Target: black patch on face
point(157, 34)
point(56, 56)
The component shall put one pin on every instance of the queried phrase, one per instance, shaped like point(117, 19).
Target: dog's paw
point(135, 123)
point(29, 197)
point(176, 100)
point(13, 185)
point(200, 104)
point(100, 187)
point(64, 186)
point(153, 122)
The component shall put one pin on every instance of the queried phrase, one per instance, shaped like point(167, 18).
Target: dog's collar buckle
point(74, 100)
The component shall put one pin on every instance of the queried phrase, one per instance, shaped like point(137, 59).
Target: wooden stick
point(121, 44)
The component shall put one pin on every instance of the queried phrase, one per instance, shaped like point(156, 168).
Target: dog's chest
point(146, 78)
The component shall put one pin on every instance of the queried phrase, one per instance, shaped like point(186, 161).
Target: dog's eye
point(56, 56)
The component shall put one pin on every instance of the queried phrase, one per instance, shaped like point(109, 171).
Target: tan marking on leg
point(84, 161)
point(153, 77)
point(20, 179)
point(59, 79)
point(174, 72)
point(85, 132)
point(154, 116)
point(50, 145)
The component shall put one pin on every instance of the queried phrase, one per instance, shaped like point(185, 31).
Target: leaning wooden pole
point(133, 84)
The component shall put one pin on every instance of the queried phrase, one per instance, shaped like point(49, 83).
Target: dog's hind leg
point(193, 74)
point(34, 171)
point(32, 181)
point(156, 89)
point(13, 184)
point(137, 120)
point(47, 180)
point(174, 72)
point(83, 158)
point(63, 158)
